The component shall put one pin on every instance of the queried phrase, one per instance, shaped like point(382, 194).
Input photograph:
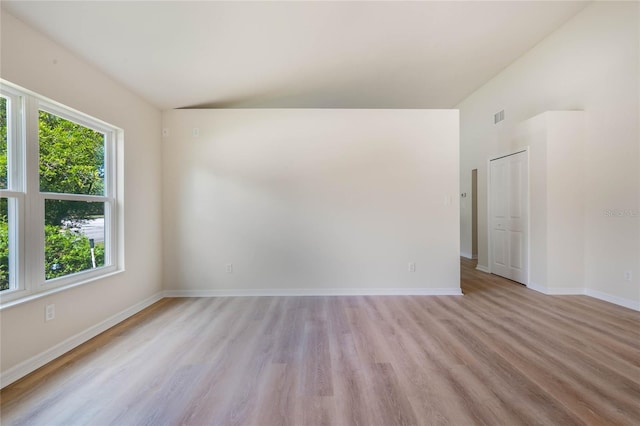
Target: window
point(58, 204)
point(10, 191)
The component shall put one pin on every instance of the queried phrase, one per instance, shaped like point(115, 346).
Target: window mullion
point(75, 197)
point(7, 193)
point(18, 179)
point(34, 201)
point(17, 153)
point(110, 206)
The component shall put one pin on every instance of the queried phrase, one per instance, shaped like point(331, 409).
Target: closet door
point(508, 216)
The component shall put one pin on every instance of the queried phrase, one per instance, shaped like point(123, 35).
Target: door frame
point(474, 213)
point(526, 150)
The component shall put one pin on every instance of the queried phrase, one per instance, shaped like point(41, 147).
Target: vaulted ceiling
point(296, 54)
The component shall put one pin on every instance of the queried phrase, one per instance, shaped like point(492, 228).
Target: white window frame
point(15, 188)
point(27, 279)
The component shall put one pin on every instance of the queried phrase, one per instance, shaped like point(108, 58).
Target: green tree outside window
point(71, 162)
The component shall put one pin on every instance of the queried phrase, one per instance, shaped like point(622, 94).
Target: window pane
point(71, 157)
point(4, 175)
point(74, 237)
point(5, 270)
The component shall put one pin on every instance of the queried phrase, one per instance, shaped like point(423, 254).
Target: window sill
point(49, 292)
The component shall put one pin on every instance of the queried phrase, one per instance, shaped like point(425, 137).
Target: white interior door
point(509, 192)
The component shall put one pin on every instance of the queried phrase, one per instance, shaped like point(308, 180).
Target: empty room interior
point(331, 212)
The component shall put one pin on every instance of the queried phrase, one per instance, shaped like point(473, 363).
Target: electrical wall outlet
point(412, 267)
point(49, 312)
point(230, 267)
point(627, 275)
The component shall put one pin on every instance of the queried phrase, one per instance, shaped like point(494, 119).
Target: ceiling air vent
point(498, 117)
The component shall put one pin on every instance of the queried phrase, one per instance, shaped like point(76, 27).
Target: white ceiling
point(298, 54)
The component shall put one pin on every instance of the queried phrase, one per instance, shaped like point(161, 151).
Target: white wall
point(311, 201)
point(555, 141)
point(590, 64)
point(34, 62)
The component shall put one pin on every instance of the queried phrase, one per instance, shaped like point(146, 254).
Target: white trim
point(483, 268)
point(573, 291)
point(556, 291)
point(565, 291)
point(466, 255)
point(537, 287)
point(18, 371)
point(446, 291)
point(76, 197)
point(37, 361)
point(57, 107)
point(14, 192)
point(627, 303)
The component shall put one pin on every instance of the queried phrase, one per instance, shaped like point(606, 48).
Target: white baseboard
point(627, 303)
point(565, 291)
point(468, 255)
point(37, 361)
point(556, 291)
point(18, 371)
point(483, 268)
point(537, 287)
point(573, 291)
point(446, 291)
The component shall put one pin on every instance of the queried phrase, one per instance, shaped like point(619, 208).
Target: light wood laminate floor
point(500, 355)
